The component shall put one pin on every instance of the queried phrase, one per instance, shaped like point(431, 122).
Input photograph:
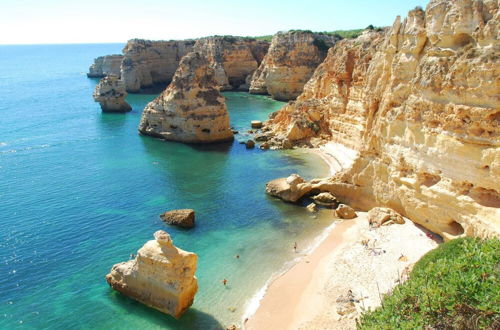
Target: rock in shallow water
point(161, 276)
point(182, 218)
point(289, 189)
point(326, 199)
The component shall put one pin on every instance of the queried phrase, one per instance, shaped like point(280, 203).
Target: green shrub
point(452, 287)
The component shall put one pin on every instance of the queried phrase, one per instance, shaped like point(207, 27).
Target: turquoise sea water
point(81, 190)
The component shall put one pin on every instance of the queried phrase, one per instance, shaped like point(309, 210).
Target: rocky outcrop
point(105, 65)
point(161, 276)
point(148, 63)
point(234, 59)
point(111, 94)
point(183, 218)
point(419, 105)
point(379, 216)
point(289, 189)
point(191, 109)
point(290, 62)
point(345, 212)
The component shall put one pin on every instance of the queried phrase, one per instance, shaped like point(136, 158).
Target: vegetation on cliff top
point(452, 287)
point(341, 34)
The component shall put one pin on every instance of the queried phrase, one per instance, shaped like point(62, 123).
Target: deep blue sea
point(81, 190)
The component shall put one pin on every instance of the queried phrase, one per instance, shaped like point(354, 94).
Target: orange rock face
point(290, 62)
point(191, 109)
point(419, 104)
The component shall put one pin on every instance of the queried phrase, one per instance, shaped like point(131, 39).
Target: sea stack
point(191, 109)
point(161, 276)
point(111, 94)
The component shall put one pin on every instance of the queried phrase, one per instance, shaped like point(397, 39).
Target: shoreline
point(254, 303)
point(306, 294)
point(312, 294)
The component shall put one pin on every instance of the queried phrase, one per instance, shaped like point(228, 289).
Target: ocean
point(80, 190)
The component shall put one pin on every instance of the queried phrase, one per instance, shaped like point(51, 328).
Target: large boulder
point(182, 218)
point(111, 94)
point(191, 109)
point(289, 189)
point(345, 212)
point(161, 276)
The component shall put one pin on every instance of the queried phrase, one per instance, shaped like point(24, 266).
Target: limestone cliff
point(111, 94)
point(290, 62)
point(147, 63)
point(419, 106)
point(104, 65)
point(161, 276)
point(233, 58)
point(191, 109)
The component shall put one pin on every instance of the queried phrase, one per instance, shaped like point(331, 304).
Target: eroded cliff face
point(111, 94)
point(147, 63)
point(161, 276)
point(191, 109)
point(105, 65)
point(232, 58)
point(419, 106)
point(290, 62)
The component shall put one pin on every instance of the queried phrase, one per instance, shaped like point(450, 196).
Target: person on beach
point(295, 247)
point(224, 281)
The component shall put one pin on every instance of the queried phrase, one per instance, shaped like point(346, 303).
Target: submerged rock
point(191, 109)
point(312, 207)
point(111, 94)
point(250, 144)
point(161, 276)
point(379, 216)
point(182, 218)
point(289, 189)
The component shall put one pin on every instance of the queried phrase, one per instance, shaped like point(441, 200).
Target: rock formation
point(419, 104)
point(191, 109)
point(105, 65)
point(379, 216)
point(148, 63)
point(182, 218)
point(289, 189)
point(290, 62)
point(161, 276)
point(111, 94)
point(234, 59)
point(345, 212)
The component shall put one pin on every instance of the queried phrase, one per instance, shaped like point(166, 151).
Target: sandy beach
point(348, 272)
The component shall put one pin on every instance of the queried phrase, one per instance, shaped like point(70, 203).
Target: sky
point(101, 21)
